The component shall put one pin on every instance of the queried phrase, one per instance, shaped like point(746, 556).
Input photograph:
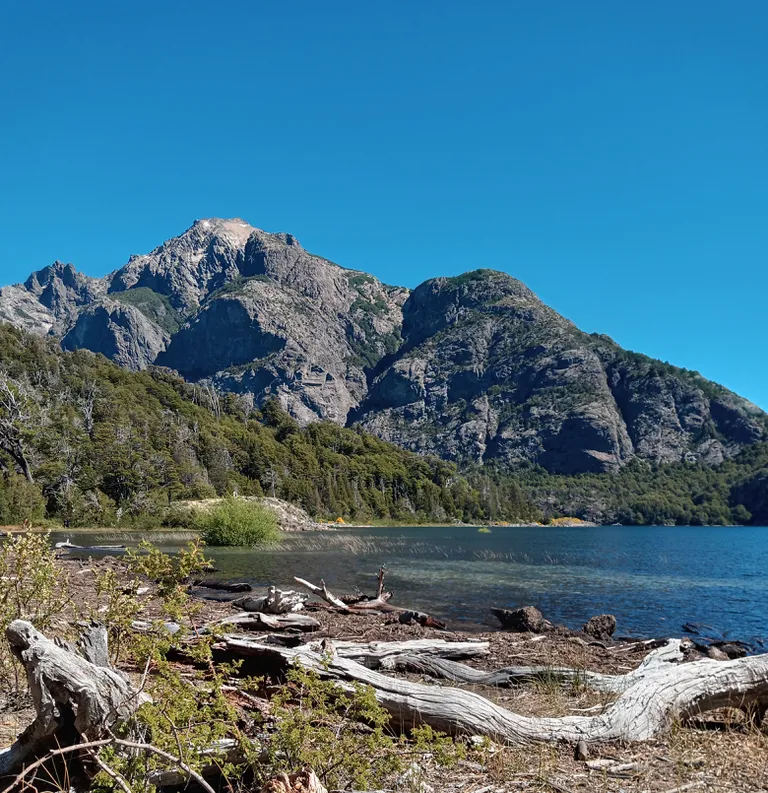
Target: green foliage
point(189, 712)
point(109, 447)
point(117, 448)
point(237, 522)
point(33, 589)
point(153, 305)
point(472, 276)
point(236, 285)
point(645, 494)
point(344, 735)
point(19, 501)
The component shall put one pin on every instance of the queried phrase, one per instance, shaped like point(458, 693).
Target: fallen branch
point(322, 591)
point(378, 604)
point(652, 697)
point(503, 678)
point(117, 778)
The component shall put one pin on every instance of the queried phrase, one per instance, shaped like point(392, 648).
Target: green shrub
point(235, 521)
point(34, 589)
point(345, 736)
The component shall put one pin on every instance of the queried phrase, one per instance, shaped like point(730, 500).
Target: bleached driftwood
point(378, 604)
point(505, 677)
point(652, 696)
point(66, 690)
point(258, 621)
point(444, 667)
point(276, 601)
point(322, 591)
point(377, 654)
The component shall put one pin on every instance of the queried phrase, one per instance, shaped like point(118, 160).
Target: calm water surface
point(652, 578)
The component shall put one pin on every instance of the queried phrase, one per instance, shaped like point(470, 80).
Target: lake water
point(653, 579)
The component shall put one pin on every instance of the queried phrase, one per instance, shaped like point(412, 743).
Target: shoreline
point(731, 757)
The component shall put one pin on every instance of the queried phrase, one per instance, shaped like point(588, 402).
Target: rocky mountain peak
point(63, 290)
point(187, 268)
point(474, 368)
point(442, 302)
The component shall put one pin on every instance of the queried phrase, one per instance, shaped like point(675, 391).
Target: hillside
point(474, 369)
point(85, 440)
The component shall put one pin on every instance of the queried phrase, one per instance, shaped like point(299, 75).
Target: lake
point(653, 579)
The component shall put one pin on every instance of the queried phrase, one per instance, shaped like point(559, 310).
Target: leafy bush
point(345, 735)
point(237, 522)
point(34, 589)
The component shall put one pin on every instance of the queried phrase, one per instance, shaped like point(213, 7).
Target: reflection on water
point(652, 578)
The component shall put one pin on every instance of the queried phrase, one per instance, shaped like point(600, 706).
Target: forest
point(84, 441)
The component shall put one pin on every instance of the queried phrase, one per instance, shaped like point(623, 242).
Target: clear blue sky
point(614, 156)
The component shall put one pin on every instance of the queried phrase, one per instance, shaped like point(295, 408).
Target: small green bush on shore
point(237, 522)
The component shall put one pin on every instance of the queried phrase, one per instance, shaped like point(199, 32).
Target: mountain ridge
point(473, 368)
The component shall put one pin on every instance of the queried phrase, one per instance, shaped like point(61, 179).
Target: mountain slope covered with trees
point(85, 440)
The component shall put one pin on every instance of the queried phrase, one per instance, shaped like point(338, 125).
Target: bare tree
point(15, 416)
point(86, 402)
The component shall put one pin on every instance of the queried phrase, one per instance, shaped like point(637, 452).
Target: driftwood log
point(443, 667)
point(651, 697)
point(379, 604)
point(378, 654)
point(74, 698)
point(276, 601)
point(258, 621)
point(223, 586)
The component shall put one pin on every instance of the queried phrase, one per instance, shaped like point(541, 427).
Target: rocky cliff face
point(486, 372)
point(117, 331)
point(474, 368)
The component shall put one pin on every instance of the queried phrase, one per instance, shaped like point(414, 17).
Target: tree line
point(84, 441)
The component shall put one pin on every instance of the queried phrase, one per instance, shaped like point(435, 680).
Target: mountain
point(473, 369)
point(486, 371)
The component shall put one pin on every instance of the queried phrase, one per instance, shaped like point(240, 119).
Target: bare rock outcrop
point(120, 332)
point(486, 372)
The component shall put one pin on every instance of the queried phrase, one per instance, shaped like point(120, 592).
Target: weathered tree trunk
point(651, 697)
point(258, 621)
point(74, 698)
point(377, 654)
